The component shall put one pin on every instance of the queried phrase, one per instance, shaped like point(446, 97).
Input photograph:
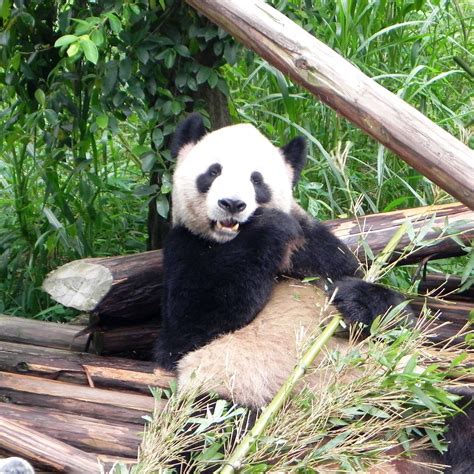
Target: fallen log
point(128, 286)
point(42, 333)
point(133, 292)
point(65, 336)
point(446, 286)
point(89, 434)
point(44, 449)
point(335, 81)
point(456, 312)
point(82, 368)
point(116, 340)
point(73, 398)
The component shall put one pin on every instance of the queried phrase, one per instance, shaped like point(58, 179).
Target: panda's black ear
point(295, 155)
point(189, 131)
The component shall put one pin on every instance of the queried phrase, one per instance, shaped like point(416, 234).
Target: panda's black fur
point(214, 287)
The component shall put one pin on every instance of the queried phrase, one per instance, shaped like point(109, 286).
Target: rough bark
point(335, 81)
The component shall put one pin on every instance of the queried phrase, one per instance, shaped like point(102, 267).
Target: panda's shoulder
point(181, 241)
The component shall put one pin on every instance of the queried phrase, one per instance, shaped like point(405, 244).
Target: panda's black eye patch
point(204, 180)
point(262, 191)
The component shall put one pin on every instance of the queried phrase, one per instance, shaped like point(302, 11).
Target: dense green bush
point(91, 91)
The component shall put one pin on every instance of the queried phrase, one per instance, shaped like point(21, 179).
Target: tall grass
point(413, 49)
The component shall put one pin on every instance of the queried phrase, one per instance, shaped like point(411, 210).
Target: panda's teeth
point(227, 226)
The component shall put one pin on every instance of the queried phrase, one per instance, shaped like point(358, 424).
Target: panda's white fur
point(248, 366)
point(240, 150)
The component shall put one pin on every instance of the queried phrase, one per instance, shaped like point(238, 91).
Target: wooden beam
point(44, 449)
point(335, 81)
point(75, 279)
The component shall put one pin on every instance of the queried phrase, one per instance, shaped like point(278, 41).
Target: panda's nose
point(232, 205)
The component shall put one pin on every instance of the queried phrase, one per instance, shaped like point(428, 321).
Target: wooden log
point(62, 336)
point(335, 81)
point(109, 286)
point(127, 338)
point(447, 286)
point(436, 223)
point(32, 444)
point(70, 284)
point(89, 434)
point(83, 368)
point(72, 398)
point(455, 313)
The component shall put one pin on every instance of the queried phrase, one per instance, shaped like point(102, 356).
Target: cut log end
point(80, 284)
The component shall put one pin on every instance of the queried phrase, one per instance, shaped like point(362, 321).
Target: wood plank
point(335, 81)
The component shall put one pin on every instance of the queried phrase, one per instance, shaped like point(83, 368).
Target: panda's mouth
point(229, 226)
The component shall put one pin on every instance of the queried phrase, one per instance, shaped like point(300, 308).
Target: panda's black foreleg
point(211, 289)
point(460, 437)
point(323, 254)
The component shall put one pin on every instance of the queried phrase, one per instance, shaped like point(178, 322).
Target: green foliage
point(90, 93)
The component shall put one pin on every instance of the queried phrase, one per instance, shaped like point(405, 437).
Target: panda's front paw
point(278, 223)
point(361, 302)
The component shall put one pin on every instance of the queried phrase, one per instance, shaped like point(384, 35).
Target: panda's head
point(222, 177)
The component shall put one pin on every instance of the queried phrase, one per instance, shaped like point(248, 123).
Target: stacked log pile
point(73, 397)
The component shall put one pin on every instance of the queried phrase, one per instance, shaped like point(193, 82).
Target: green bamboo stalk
point(234, 463)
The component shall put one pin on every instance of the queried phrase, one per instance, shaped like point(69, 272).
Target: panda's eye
point(256, 178)
point(215, 170)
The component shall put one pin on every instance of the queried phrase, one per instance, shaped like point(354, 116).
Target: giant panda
point(229, 319)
